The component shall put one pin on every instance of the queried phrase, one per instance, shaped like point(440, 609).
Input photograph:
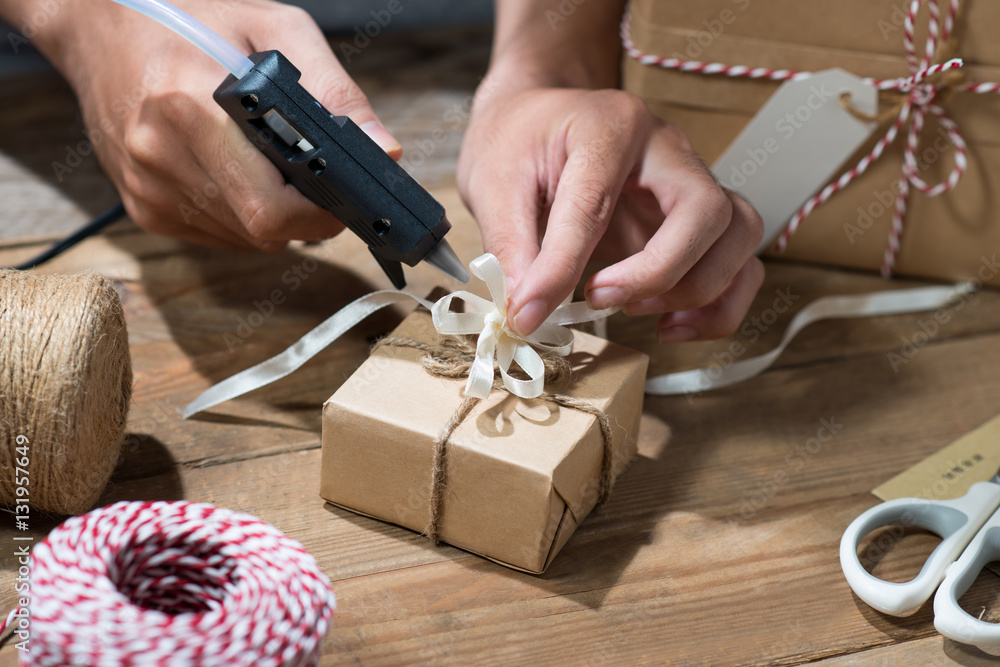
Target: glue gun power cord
point(103, 220)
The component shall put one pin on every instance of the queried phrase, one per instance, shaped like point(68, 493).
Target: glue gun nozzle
point(444, 259)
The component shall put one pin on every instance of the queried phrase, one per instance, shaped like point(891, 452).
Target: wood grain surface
point(700, 556)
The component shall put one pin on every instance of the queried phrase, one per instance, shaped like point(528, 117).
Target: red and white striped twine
point(921, 97)
point(174, 584)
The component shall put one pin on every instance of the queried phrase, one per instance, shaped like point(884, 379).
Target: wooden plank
point(50, 180)
point(651, 575)
point(665, 594)
point(664, 601)
point(705, 455)
point(189, 308)
point(928, 652)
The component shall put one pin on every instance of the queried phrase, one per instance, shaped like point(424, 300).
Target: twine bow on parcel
point(497, 348)
point(933, 79)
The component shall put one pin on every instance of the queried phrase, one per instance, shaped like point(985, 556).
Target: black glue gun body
point(335, 164)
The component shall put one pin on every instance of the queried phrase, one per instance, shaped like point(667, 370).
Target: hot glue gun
point(336, 165)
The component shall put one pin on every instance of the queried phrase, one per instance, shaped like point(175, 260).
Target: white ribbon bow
point(498, 344)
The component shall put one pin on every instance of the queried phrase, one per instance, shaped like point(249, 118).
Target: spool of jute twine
point(65, 389)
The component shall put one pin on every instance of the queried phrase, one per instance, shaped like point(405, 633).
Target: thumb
point(325, 78)
point(341, 95)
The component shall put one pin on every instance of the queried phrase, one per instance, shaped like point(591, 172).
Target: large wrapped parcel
point(952, 236)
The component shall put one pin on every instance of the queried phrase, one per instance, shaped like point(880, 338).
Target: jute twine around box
point(65, 388)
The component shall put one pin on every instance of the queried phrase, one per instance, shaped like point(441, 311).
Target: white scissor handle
point(956, 521)
point(949, 618)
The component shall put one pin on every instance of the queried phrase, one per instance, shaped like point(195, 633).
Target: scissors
point(970, 530)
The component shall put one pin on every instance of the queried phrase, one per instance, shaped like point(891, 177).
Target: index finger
point(596, 168)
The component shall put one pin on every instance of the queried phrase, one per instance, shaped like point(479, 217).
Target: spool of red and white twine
point(921, 97)
point(174, 584)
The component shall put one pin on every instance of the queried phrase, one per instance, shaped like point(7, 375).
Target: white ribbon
point(488, 319)
point(892, 302)
point(499, 346)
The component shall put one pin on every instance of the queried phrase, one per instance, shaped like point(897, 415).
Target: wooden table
point(699, 557)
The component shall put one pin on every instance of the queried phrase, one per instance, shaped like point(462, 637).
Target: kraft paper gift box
point(521, 474)
point(953, 236)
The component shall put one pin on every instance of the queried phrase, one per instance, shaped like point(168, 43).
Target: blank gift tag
point(796, 144)
point(975, 457)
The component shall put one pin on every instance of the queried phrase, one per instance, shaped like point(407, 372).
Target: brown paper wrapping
point(522, 474)
point(954, 236)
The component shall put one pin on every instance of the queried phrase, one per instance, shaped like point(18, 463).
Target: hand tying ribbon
point(497, 344)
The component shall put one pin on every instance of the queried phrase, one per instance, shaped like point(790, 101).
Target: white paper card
point(796, 144)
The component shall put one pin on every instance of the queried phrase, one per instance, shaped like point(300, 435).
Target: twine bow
point(932, 81)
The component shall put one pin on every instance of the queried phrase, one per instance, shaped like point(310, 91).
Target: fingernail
point(529, 317)
point(606, 297)
point(678, 334)
point(376, 132)
point(644, 307)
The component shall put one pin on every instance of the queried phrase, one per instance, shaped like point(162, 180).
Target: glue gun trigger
point(394, 270)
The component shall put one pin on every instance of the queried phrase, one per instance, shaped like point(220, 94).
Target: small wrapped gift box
point(519, 474)
point(951, 236)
